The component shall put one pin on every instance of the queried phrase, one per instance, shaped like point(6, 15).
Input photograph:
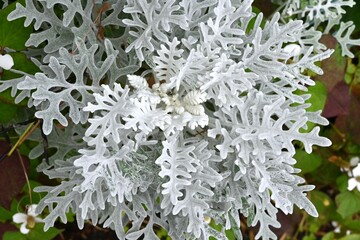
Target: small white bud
point(354, 161)
point(179, 109)
point(292, 49)
point(6, 61)
point(207, 219)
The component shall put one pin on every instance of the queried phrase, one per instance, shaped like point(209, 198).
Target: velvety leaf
point(348, 203)
point(248, 77)
point(13, 34)
point(11, 175)
point(307, 162)
point(235, 228)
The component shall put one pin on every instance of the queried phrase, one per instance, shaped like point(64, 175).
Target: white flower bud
point(6, 61)
point(292, 49)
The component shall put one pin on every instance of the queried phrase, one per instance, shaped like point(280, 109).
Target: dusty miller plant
point(168, 113)
point(325, 16)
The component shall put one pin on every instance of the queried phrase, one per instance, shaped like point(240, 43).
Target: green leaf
point(350, 67)
point(38, 232)
point(317, 100)
point(352, 148)
point(314, 227)
point(5, 214)
point(352, 224)
point(235, 229)
point(5, 97)
point(307, 162)
point(309, 237)
point(318, 96)
point(14, 236)
point(22, 63)
point(329, 236)
point(35, 197)
point(14, 113)
point(329, 173)
point(352, 14)
point(13, 34)
point(70, 217)
point(351, 237)
point(348, 203)
point(325, 207)
point(162, 234)
point(251, 216)
point(342, 183)
point(348, 78)
point(8, 112)
point(250, 26)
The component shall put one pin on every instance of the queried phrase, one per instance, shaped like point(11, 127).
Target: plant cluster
point(172, 113)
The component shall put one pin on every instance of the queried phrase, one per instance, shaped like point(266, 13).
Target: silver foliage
point(182, 111)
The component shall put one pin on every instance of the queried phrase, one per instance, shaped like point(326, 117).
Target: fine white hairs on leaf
point(138, 82)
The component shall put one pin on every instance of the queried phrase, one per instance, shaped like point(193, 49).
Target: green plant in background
point(177, 118)
point(336, 203)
